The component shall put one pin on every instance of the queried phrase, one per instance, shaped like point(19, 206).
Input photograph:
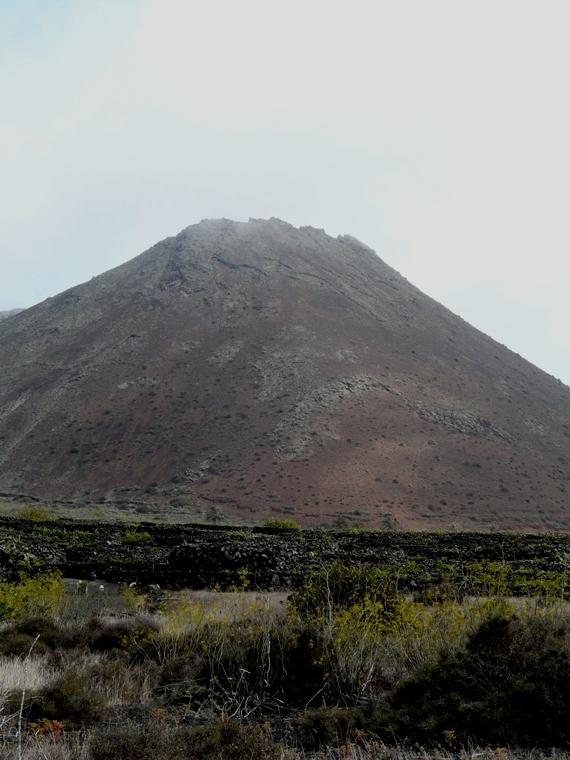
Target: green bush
point(37, 595)
point(37, 514)
point(136, 537)
point(336, 588)
point(327, 725)
point(509, 685)
point(129, 637)
point(254, 663)
point(70, 700)
point(184, 679)
point(18, 638)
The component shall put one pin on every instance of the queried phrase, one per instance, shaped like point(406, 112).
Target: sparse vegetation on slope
point(243, 372)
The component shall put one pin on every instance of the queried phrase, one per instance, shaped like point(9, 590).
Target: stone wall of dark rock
point(199, 556)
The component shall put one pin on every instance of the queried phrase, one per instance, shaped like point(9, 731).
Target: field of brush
point(455, 646)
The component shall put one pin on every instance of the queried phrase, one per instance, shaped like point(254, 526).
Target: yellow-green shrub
point(29, 596)
point(136, 537)
point(37, 514)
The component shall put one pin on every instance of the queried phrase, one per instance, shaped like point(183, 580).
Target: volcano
point(278, 372)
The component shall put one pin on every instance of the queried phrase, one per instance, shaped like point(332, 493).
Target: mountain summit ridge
point(278, 371)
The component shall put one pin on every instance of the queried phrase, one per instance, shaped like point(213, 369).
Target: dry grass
point(116, 680)
point(190, 617)
point(18, 674)
point(47, 748)
point(235, 606)
point(124, 685)
point(380, 751)
point(73, 747)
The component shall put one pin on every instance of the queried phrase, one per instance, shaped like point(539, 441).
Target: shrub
point(222, 740)
point(257, 659)
point(37, 514)
point(120, 682)
point(231, 741)
point(327, 725)
point(70, 699)
point(38, 595)
point(509, 684)
point(263, 666)
point(133, 638)
point(18, 638)
point(337, 588)
point(353, 608)
point(355, 646)
point(184, 680)
point(136, 537)
point(151, 741)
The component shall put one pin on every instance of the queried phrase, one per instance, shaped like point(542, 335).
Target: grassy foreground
point(349, 666)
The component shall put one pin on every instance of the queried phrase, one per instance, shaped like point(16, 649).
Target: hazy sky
point(436, 132)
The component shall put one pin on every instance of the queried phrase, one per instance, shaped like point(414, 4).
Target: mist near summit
point(437, 133)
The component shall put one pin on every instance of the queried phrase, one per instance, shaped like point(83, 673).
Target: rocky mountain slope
point(275, 371)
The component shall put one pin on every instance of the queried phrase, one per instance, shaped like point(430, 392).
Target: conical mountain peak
point(277, 371)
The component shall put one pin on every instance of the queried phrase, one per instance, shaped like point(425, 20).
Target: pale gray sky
point(436, 132)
